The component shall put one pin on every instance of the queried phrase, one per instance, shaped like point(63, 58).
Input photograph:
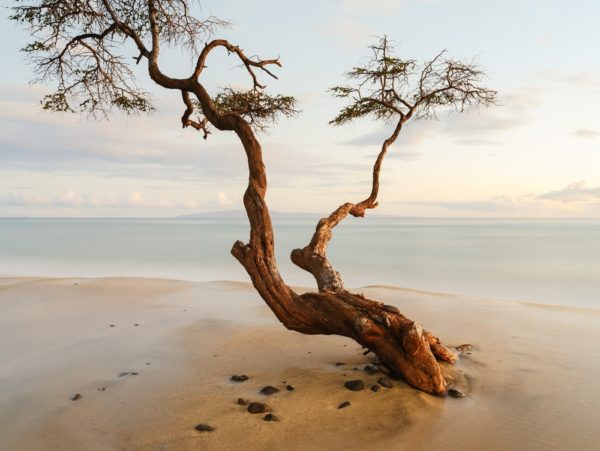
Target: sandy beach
point(150, 359)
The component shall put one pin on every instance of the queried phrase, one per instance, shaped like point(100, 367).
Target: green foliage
point(257, 107)
point(389, 88)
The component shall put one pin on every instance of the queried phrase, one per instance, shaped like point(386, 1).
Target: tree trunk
point(399, 343)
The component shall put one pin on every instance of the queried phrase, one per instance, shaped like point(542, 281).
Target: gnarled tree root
point(398, 342)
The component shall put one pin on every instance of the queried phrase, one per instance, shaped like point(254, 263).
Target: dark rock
point(371, 369)
point(202, 427)
point(123, 374)
point(102, 389)
point(391, 308)
point(464, 347)
point(355, 385)
point(136, 324)
point(270, 417)
point(112, 325)
point(339, 363)
point(289, 388)
point(344, 404)
point(134, 374)
point(375, 387)
point(242, 402)
point(147, 363)
point(385, 382)
point(269, 390)
point(76, 397)
point(454, 393)
point(257, 407)
point(238, 378)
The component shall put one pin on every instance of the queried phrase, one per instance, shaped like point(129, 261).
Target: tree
point(82, 47)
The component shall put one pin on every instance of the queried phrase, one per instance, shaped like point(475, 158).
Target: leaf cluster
point(389, 88)
point(256, 106)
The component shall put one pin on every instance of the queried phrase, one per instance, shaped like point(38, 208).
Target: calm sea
point(546, 261)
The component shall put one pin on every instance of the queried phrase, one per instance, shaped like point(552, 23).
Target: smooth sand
point(532, 378)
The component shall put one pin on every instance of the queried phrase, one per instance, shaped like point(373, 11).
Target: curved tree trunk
point(399, 343)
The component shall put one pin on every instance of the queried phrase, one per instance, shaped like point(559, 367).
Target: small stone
point(76, 397)
point(238, 378)
point(289, 388)
point(147, 363)
point(270, 417)
point(344, 404)
point(464, 347)
point(112, 325)
point(454, 393)
point(375, 387)
point(102, 389)
point(257, 407)
point(385, 382)
point(134, 374)
point(202, 427)
point(136, 324)
point(123, 374)
point(339, 363)
point(269, 390)
point(242, 402)
point(371, 369)
point(355, 385)
point(391, 308)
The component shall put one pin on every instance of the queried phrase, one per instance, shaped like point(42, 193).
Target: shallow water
point(546, 261)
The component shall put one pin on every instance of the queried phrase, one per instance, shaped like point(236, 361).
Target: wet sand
point(531, 378)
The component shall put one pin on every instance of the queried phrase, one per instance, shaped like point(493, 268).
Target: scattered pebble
point(136, 324)
point(344, 404)
point(112, 325)
point(269, 390)
point(385, 382)
point(257, 407)
point(76, 397)
point(147, 363)
point(375, 387)
point(391, 308)
point(242, 402)
point(123, 374)
point(134, 374)
point(339, 363)
point(238, 378)
point(371, 369)
point(102, 389)
point(289, 388)
point(464, 347)
point(270, 417)
point(355, 385)
point(202, 427)
point(454, 393)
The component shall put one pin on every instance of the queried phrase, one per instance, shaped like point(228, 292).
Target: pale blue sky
point(536, 155)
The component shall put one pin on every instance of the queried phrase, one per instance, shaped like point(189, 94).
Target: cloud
point(585, 133)
point(575, 192)
point(576, 199)
point(71, 198)
point(385, 6)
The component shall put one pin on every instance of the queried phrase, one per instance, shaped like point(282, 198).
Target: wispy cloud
point(585, 133)
point(579, 192)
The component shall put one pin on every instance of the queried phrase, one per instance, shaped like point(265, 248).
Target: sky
point(536, 154)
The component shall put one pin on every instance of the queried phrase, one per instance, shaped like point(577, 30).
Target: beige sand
point(532, 379)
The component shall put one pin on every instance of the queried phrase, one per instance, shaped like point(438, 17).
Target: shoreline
point(530, 378)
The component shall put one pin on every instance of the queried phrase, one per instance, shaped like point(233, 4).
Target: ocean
point(543, 261)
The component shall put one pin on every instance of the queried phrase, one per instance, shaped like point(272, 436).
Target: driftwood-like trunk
point(398, 342)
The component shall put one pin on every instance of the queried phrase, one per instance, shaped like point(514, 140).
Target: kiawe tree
point(84, 49)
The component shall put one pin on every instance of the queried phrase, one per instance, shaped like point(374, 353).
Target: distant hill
point(239, 214)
